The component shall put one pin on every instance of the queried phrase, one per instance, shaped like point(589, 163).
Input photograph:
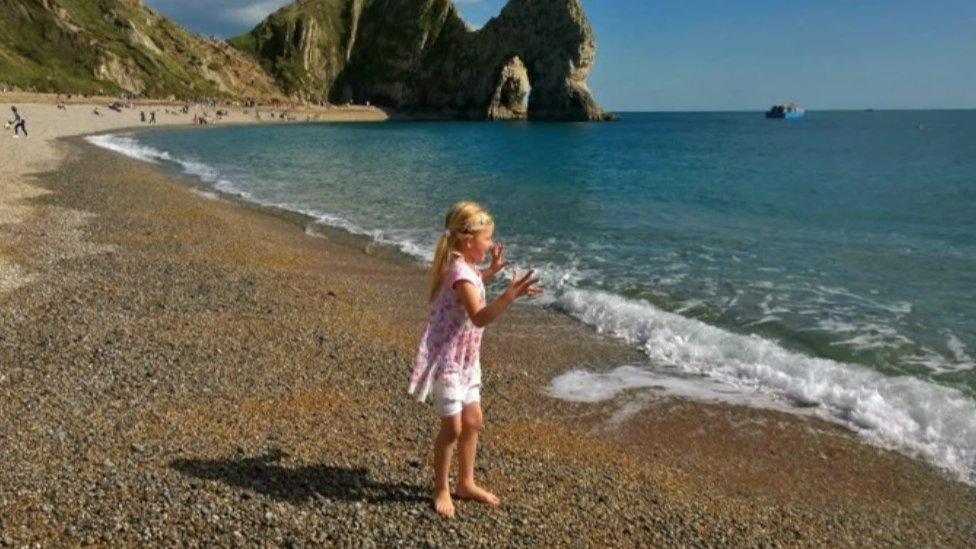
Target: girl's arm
point(497, 263)
point(483, 316)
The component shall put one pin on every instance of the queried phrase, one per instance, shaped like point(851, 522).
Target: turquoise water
point(828, 262)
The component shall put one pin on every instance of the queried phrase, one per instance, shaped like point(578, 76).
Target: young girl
point(448, 363)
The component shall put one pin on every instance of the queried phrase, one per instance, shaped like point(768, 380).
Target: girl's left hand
point(497, 263)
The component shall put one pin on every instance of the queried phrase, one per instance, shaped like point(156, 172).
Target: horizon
point(807, 110)
point(706, 56)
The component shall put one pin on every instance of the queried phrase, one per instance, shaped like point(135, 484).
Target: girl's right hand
point(524, 286)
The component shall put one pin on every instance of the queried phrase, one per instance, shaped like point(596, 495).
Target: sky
point(736, 54)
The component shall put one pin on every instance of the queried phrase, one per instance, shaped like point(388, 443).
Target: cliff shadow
point(263, 475)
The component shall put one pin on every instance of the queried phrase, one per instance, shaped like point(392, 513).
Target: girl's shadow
point(263, 475)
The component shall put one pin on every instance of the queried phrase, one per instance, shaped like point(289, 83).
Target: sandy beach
point(45, 123)
point(177, 369)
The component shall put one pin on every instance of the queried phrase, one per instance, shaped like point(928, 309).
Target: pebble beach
point(184, 369)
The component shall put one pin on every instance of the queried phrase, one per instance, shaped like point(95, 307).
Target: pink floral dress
point(450, 349)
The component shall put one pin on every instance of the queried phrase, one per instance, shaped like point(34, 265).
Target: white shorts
point(447, 407)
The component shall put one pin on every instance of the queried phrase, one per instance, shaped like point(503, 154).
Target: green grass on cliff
point(36, 54)
point(275, 43)
point(61, 50)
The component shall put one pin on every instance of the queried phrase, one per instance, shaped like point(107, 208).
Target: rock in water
point(420, 56)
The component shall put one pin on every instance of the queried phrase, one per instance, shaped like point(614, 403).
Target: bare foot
point(443, 504)
point(476, 493)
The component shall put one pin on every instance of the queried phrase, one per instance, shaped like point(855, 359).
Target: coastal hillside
point(420, 56)
point(111, 46)
point(414, 56)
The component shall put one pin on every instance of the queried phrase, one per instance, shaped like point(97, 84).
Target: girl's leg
point(443, 448)
point(472, 423)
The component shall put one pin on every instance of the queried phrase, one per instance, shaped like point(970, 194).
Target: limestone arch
point(509, 98)
point(554, 41)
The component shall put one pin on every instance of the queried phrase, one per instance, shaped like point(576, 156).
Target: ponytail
point(442, 261)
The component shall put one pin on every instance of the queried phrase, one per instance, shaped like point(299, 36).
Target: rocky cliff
point(420, 56)
point(417, 56)
point(108, 46)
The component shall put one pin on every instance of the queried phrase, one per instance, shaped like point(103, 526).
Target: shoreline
point(234, 332)
point(915, 441)
point(46, 123)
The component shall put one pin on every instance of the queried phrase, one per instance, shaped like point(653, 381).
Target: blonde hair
point(462, 222)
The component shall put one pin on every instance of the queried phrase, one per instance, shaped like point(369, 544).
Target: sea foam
point(903, 413)
point(691, 359)
point(127, 145)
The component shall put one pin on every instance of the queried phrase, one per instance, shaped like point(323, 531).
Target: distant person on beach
point(142, 116)
point(448, 364)
point(19, 123)
point(152, 117)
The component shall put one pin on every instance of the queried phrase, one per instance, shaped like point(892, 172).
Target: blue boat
point(789, 111)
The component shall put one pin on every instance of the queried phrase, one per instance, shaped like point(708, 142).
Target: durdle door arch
point(554, 43)
point(509, 99)
point(420, 56)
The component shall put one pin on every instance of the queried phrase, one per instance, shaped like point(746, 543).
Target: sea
point(825, 266)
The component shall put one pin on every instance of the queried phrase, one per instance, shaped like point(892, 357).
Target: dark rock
point(420, 56)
